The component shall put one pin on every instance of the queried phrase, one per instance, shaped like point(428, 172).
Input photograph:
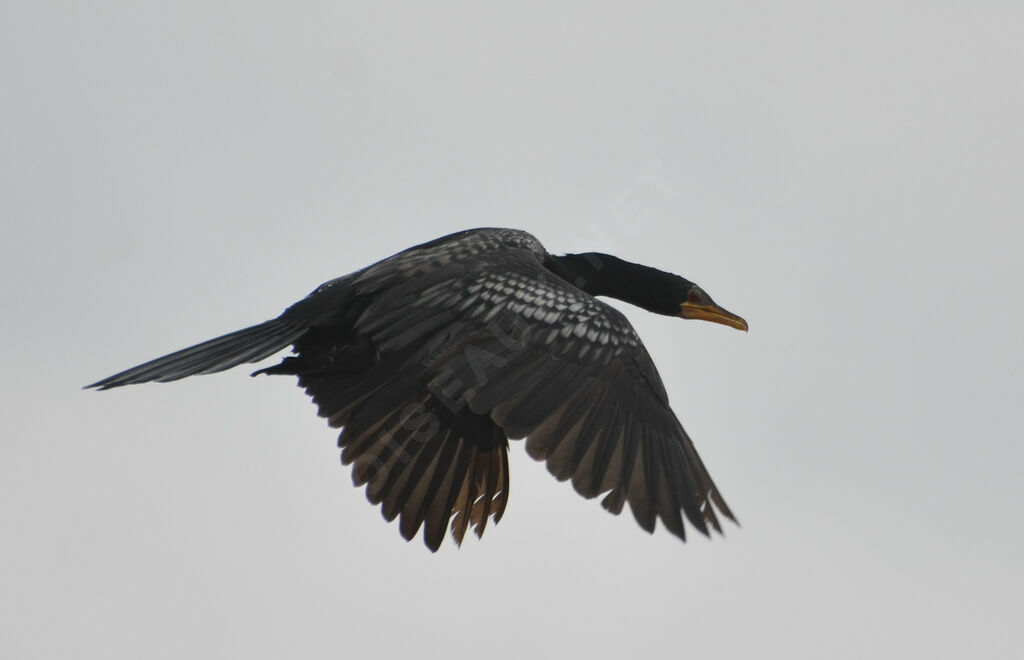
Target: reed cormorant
point(430, 360)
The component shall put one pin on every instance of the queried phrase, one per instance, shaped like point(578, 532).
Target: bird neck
point(604, 275)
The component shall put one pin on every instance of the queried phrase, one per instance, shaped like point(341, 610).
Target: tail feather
point(247, 345)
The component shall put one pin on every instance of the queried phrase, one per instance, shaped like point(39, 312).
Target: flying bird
point(429, 361)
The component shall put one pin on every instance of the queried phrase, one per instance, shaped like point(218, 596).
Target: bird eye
point(694, 296)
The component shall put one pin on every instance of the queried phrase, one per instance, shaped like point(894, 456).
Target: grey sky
point(846, 177)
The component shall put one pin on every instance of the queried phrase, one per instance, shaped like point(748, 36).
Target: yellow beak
point(712, 313)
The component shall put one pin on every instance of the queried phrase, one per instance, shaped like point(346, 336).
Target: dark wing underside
point(423, 463)
point(473, 348)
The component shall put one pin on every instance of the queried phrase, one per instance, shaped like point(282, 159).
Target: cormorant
point(430, 360)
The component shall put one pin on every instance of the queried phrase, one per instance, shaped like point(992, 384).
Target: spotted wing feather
point(505, 338)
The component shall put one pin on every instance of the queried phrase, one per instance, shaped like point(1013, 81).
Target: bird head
point(697, 304)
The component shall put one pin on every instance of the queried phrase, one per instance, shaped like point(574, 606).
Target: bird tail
point(247, 345)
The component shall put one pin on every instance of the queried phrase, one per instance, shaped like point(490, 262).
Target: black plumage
point(430, 360)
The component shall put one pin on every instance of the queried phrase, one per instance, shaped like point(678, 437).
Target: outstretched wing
point(500, 336)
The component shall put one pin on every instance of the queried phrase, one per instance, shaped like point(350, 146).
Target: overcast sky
point(847, 176)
